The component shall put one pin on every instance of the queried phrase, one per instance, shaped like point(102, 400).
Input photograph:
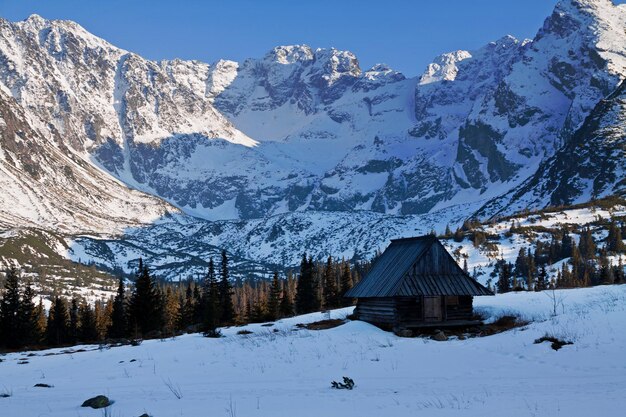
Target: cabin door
point(432, 309)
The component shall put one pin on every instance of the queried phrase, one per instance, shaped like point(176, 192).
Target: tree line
point(588, 263)
point(149, 308)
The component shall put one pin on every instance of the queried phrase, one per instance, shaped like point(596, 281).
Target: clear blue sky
point(406, 34)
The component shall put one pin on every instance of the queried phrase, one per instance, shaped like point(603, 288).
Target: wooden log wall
point(376, 310)
point(461, 311)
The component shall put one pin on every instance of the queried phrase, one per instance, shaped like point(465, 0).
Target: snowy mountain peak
point(289, 54)
point(336, 64)
point(36, 20)
point(444, 67)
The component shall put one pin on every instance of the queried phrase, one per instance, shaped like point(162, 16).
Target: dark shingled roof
point(390, 276)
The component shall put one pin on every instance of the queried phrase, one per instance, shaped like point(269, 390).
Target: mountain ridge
point(305, 136)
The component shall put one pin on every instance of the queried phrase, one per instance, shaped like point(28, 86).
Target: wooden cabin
point(416, 283)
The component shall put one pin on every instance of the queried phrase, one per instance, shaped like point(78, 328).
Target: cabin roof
point(389, 276)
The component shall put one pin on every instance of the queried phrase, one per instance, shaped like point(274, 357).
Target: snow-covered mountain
point(301, 146)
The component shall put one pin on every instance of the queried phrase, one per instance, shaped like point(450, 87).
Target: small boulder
point(439, 336)
point(404, 333)
point(99, 401)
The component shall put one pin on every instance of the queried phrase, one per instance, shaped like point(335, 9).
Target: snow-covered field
point(287, 372)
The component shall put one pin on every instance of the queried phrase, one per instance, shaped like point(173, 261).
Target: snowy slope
point(44, 184)
point(288, 372)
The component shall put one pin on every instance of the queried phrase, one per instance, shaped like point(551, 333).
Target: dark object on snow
point(43, 386)
point(322, 324)
point(245, 332)
point(556, 343)
point(439, 336)
point(416, 283)
point(348, 383)
point(214, 333)
point(135, 342)
point(145, 415)
point(99, 401)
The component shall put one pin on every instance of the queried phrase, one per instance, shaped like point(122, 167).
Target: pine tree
point(145, 304)
point(187, 308)
point(542, 279)
point(614, 242)
point(40, 313)
point(198, 314)
point(346, 283)
point(10, 311)
point(102, 313)
point(58, 329)
point(171, 312)
point(504, 279)
point(73, 329)
point(458, 235)
point(587, 245)
point(521, 263)
point(119, 315)
point(286, 305)
point(531, 270)
point(619, 272)
point(306, 291)
point(567, 245)
point(88, 331)
point(273, 303)
point(28, 318)
point(331, 299)
point(226, 293)
point(211, 302)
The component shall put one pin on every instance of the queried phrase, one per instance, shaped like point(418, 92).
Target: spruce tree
point(145, 304)
point(567, 245)
point(211, 305)
point(542, 279)
point(73, 329)
point(40, 313)
point(331, 299)
point(187, 308)
point(614, 242)
point(226, 292)
point(119, 315)
point(286, 305)
point(28, 318)
point(273, 302)
point(587, 245)
point(88, 331)
point(619, 272)
point(58, 329)
point(171, 312)
point(10, 311)
point(198, 314)
point(346, 283)
point(504, 279)
point(305, 289)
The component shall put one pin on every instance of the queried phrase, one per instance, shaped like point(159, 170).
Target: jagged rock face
point(309, 130)
point(589, 166)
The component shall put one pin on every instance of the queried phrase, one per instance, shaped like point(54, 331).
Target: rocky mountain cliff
point(98, 139)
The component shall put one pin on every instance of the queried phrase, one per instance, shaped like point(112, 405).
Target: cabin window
point(452, 300)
